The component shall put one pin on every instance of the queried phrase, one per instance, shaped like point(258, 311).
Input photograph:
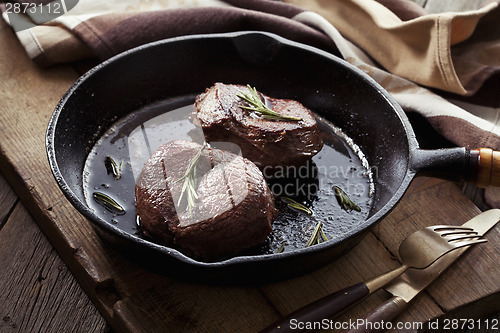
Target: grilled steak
point(266, 142)
point(233, 210)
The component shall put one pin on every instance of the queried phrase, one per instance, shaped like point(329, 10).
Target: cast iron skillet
point(186, 66)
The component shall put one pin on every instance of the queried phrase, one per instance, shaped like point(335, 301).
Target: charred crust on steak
point(233, 212)
point(265, 142)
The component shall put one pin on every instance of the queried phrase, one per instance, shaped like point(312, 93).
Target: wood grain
point(104, 273)
point(7, 200)
point(133, 299)
point(37, 292)
point(472, 273)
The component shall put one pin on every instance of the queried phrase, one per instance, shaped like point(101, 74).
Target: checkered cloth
point(443, 66)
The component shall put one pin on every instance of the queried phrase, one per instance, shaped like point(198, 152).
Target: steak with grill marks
point(265, 142)
point(233, 210)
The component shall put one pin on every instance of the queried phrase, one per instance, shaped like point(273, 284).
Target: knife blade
point(409, 284)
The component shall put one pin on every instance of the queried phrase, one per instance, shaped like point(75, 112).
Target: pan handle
point(489, 167)
point(480, 167)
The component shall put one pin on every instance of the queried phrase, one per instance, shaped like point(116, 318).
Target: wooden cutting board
point(133, 299)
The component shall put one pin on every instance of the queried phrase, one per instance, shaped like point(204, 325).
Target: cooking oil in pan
point(130, 141)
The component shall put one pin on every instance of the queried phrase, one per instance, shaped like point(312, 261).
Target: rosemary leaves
point(258, 106)
point(344, 201)
point(189, 187)
point(296, 205)
point(318, 236)
point(109, 203)
point(113, 168)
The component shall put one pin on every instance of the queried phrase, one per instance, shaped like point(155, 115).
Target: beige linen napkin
point(410, 58)
point(451, 51)
point(441, 65)
point(444, 66)
point(105, 28)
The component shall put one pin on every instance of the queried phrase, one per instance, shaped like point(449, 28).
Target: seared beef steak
point(233, 210)
point(265, 142)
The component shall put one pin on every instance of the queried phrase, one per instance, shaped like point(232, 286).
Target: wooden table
point(39, 294)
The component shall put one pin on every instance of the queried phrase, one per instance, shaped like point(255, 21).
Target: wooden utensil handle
point(480, 167)
point(488, 167)
point(374, 320)
point(324, 308)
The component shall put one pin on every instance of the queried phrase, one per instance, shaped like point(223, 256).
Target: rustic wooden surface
point(39, 294)
point(37, 291)
point(43, 295)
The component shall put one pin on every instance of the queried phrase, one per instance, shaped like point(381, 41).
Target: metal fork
point(419, 250)
point(425, 246)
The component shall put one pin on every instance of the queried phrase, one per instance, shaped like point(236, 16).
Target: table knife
point(408, 285)
point(334, 304)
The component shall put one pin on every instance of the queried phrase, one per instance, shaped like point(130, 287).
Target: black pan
point(185, 66)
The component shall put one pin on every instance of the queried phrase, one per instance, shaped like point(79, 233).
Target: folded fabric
point(451, 51)
point(106, 28)
point(464, 120)
point(441, 65)
point(405, 49)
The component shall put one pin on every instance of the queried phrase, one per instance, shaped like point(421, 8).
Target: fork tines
point(450, 227)
point(459, 235)
point(467, 241)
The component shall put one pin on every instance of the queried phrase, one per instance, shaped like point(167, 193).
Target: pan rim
point(96, 221)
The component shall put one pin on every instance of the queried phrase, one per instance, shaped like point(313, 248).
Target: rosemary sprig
point(318, 235)
point(113, 168)
point(258, 106)
point(281, 248)
point(189, 186)
point(108, 203)
point(296, 205)
point(344, 200)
